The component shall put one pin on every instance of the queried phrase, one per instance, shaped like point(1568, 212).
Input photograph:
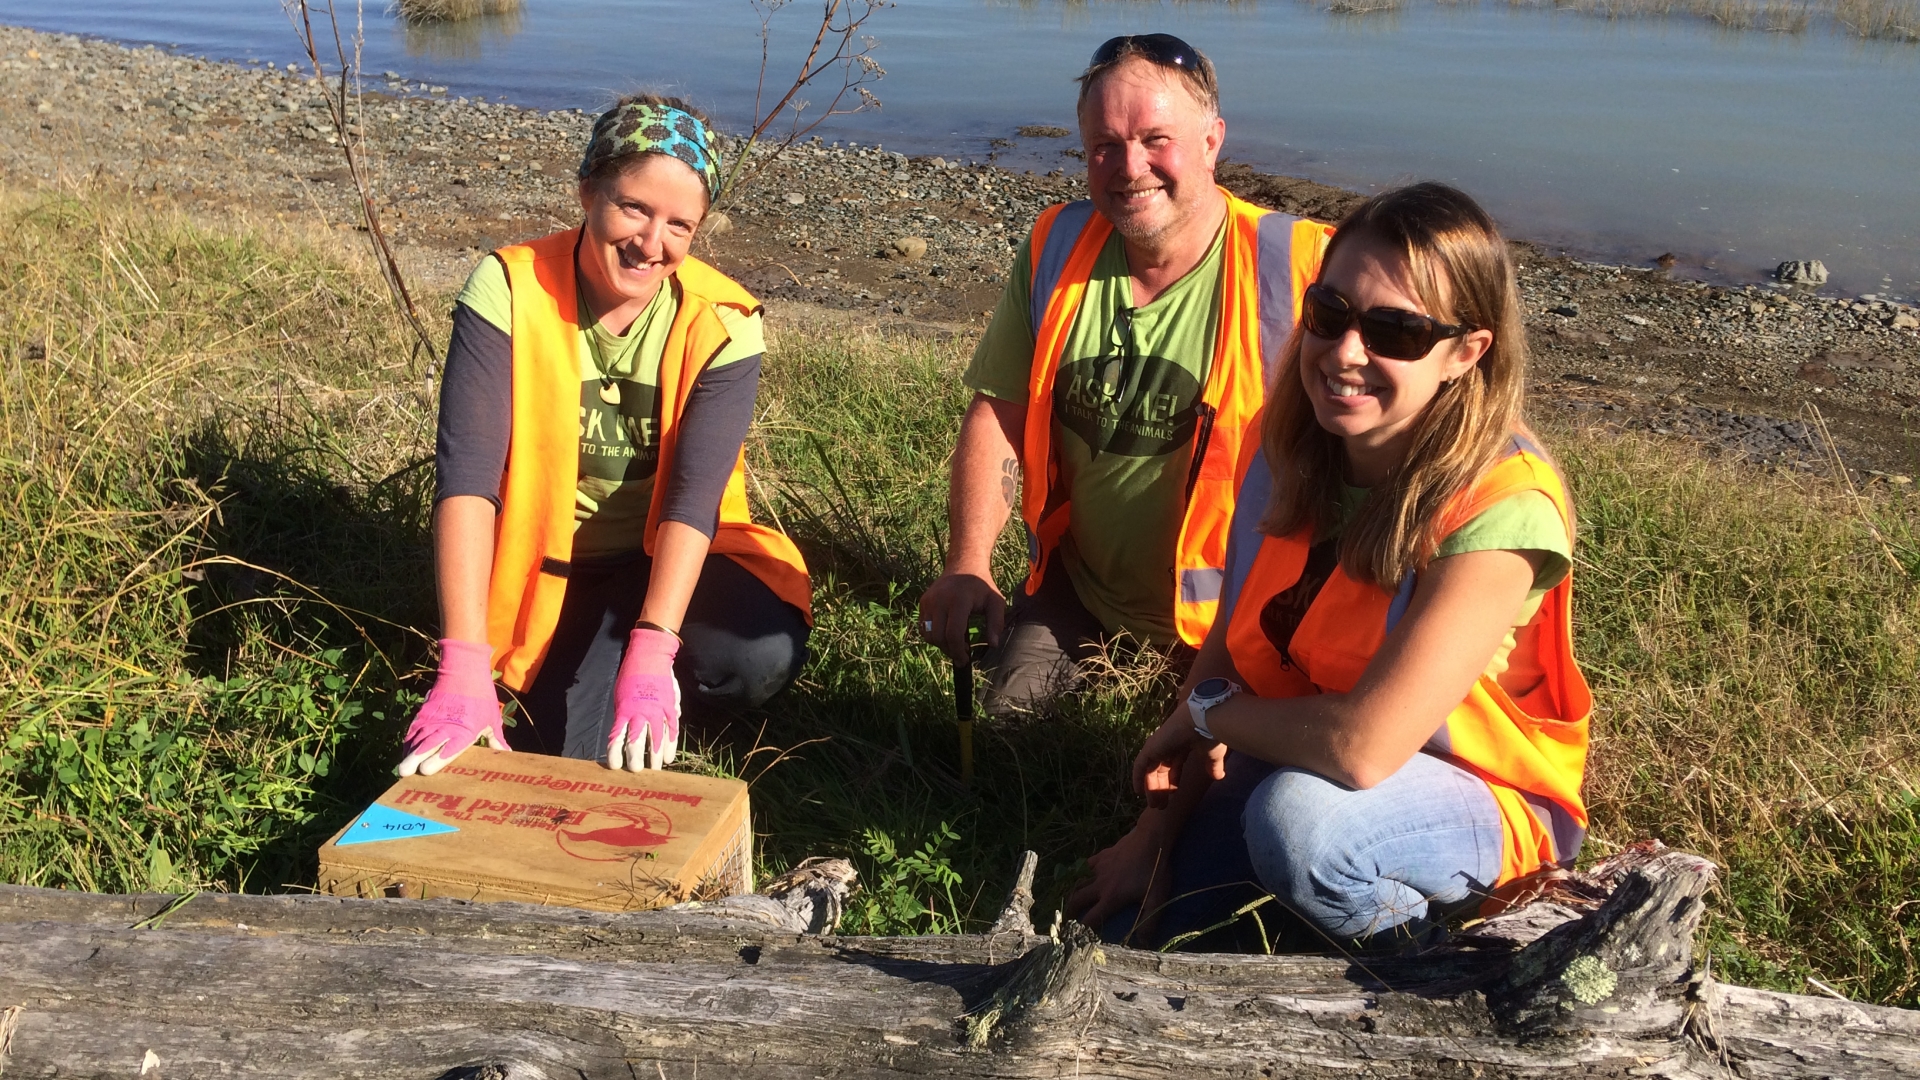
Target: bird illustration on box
point(632, 834)
point(614, 832)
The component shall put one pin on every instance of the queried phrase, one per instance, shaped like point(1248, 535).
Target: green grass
point(215, 616)
point(212, 548)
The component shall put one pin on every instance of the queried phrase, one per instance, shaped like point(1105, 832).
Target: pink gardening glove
point(646, 703)
point(459, 709)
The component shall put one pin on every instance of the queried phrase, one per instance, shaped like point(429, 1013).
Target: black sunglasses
point(1163, 49)
point(1387, 332)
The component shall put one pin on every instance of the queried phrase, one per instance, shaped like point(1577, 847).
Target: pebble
point(1760, 439)
point(1801, 272)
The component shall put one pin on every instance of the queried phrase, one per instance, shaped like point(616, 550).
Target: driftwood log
point(1594, 979)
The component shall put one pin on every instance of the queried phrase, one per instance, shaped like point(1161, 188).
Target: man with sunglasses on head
point(1114, 386)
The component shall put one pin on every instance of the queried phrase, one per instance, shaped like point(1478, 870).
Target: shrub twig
point(837, 45)
point(349, 137)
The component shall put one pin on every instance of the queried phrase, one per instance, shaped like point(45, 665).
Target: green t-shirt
point(1124, 420)
point(1525, 521)
point(619, 405)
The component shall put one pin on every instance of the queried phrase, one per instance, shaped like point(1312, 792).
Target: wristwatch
point(1206, 695)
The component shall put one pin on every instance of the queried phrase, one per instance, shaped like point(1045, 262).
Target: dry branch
point(341, 94)
point(838, 47)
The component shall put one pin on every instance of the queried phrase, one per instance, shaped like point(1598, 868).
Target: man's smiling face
point(1151, 148)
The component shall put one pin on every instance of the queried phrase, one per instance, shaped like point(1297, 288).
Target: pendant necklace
point(609, 388)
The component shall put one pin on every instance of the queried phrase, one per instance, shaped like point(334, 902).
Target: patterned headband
point(655, 129)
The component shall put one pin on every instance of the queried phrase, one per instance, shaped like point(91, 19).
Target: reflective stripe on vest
point(533, 533)
point(1532, 754)
point(1268, 261)
point(1063, 223)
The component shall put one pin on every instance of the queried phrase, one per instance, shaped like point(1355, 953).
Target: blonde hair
point(1463, 275)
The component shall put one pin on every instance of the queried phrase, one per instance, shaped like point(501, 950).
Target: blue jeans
point(1380, 866)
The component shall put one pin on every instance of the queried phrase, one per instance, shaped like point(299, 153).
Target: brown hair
point(1200, 79)
point(1463, 274)
point(607, 170)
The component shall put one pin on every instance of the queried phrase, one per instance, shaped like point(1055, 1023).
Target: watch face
point(1211, 688)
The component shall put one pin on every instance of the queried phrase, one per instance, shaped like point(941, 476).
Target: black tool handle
point(963, 689)
point(963, 708)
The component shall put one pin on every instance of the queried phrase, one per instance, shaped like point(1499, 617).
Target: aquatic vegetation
point(1882, 20)
point(432, 11)
point(459, 39)
point(1889, 20)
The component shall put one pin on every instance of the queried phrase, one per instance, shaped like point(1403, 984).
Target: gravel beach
point(863, 232)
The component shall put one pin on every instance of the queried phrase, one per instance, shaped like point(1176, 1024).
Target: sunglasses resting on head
point(1163, 49)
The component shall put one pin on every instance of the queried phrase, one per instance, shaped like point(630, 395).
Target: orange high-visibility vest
point(533, 533)
point(1270, 259)
point(1532, 753)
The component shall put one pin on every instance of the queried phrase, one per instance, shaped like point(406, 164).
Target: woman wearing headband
point(591, 539)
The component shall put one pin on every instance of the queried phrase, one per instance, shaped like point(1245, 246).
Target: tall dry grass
point(214, 609)
point(1886, 20)
point(463, 39)
point(208, 449)
point(1753, 651)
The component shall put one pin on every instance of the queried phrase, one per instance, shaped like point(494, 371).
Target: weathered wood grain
point(297, 987)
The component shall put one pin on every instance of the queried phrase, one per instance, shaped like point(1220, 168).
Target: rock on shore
point(891, 238)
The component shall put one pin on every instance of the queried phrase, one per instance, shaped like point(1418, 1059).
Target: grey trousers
point(1050, 637)
point(740, 645)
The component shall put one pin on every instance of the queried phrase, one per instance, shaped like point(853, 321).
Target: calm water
point(1622, 140)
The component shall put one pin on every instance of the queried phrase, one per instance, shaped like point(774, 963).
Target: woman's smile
point(636, 261)
point(1346, 390)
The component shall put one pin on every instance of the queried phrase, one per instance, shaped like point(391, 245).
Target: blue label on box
point(385, 823)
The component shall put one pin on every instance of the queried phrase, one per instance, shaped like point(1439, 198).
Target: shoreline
point(875, 234)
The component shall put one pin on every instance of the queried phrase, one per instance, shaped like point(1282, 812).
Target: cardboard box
point(496, 825)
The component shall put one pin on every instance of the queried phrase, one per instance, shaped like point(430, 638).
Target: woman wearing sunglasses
point(591, 537)
point(1385, 723)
